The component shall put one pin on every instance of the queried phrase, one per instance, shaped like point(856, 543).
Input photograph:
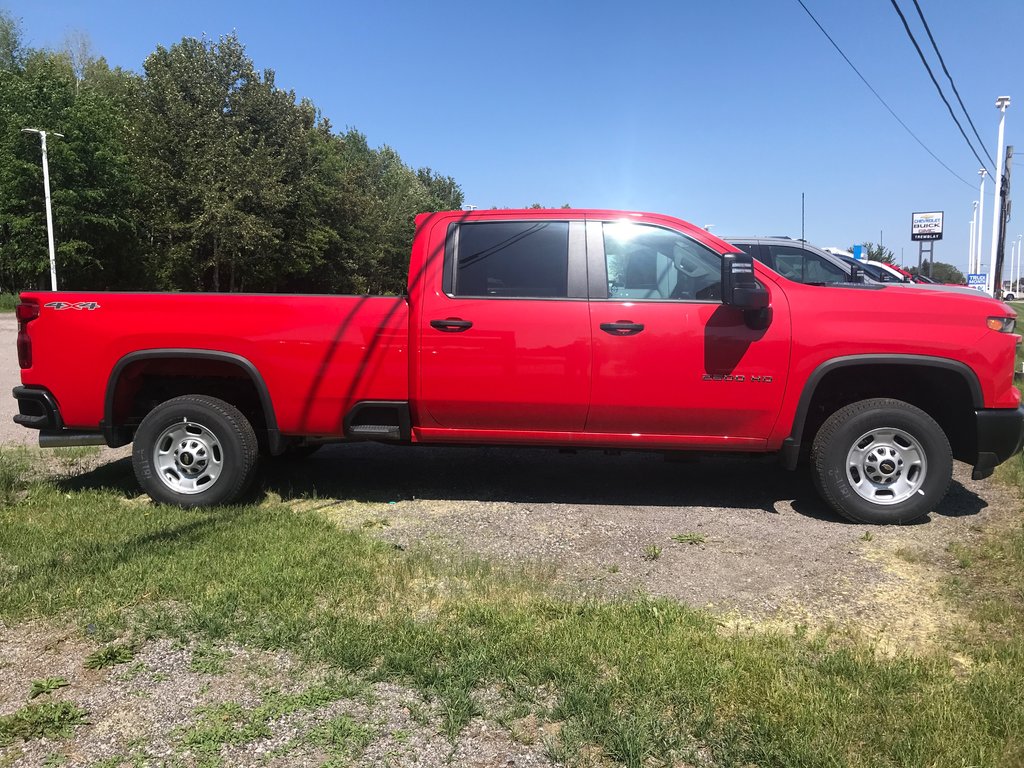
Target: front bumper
point(1000, 436)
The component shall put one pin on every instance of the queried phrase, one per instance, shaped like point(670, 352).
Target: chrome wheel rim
point(188, 457)
point(886, 466)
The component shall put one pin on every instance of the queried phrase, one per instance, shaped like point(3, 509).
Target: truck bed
point(317, 355)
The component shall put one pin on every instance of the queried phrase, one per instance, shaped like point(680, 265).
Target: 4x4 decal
point(90, 305)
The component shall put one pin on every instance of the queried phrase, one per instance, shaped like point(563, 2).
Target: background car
point(800, 261)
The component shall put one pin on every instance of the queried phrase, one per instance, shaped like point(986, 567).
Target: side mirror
point(740, 288)
point(856, 274)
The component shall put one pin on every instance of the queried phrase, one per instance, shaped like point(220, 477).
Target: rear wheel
point(882, 461)
point(195, 451)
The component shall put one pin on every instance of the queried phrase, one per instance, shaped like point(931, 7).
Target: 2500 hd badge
point(737, 377)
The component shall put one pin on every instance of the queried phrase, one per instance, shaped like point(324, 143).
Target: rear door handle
point(451, 325)
point(622, 328)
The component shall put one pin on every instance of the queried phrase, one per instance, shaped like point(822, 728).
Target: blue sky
point(721, 113)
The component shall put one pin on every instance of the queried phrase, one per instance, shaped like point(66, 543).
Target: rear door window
point(513, 259)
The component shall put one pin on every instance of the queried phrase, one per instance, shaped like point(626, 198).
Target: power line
point(949, 77)
point(935, 82)
point(878, 96)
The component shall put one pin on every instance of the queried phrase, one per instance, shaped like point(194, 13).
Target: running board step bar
point(376, 431)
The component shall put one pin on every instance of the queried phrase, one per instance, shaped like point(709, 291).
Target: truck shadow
point(374, 473)
point(382, 473)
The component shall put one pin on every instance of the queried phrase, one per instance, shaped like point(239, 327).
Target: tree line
point(197, 174)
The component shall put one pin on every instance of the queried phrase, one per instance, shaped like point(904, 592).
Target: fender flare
point(115, 436)
point(791, 445)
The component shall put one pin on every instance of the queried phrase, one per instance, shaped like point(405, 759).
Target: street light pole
point(981, 217)
point(1001, 104)
point(49, 211)
point(1020, 243)
point(974, 227)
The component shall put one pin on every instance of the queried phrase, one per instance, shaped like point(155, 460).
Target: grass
point(8, 301)
point(230, 723)
point(50, 719)
point(635, 681)
point(110, 655)
point(651, 552)
point(46, 685)
point(690, 538)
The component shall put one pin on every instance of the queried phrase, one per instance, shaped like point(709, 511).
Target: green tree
point(878, 253)
point(11, 47)
point(90, 175)
point(941, 272)
point(198, 174)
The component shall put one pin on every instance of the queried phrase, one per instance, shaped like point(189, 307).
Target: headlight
point(1002, 324)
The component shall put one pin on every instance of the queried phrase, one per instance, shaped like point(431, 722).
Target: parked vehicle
point(897, 274)
point(800, 261)
point(572, 328)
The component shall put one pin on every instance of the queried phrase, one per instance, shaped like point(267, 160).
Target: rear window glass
point(513, 259)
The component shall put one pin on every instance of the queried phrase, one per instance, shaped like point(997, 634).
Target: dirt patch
point(171, 705)
point(740, 537)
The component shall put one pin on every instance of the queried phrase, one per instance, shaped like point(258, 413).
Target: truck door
point(669, 357)
point(505, 341)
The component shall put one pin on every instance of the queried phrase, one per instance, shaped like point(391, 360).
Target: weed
point(71, 458)
point(109, 655)
point(14, 473)
point(55, 759)
point(419, 711)
point(914, 555)
point(613, 568)
point(342, 737)
point(376, 522)
point(46, 685)
point(868, 536)
point(652, 552)
point(963, 554)
point(207, 659)
point(50, 719)
point(690, 538)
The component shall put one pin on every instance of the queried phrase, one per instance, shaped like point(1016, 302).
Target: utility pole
point(1004, 216)
point(1001, 104)
point(49, 211)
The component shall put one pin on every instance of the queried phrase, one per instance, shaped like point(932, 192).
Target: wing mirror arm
point(740, 289)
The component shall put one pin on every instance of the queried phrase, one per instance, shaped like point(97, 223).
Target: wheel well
point(942, 393)
point(141, 385)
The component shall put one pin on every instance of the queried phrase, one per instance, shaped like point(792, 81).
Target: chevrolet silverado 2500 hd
point(568, 328)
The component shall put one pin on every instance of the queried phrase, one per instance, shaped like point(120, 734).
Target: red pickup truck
point(567, 328)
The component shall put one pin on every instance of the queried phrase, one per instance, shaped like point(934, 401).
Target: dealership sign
point(926, 226)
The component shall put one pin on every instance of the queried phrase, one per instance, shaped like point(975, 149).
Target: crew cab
point(562, 328)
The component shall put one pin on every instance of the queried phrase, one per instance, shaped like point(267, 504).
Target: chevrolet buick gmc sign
point(926, 226)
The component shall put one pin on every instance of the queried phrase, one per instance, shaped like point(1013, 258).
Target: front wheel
point(882, 461)
point(195, 451)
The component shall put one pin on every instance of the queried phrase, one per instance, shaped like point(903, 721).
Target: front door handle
point(451, 325)
point(622, 328)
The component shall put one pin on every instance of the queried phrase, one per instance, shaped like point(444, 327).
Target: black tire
point(881, 461)
point(195, 451)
